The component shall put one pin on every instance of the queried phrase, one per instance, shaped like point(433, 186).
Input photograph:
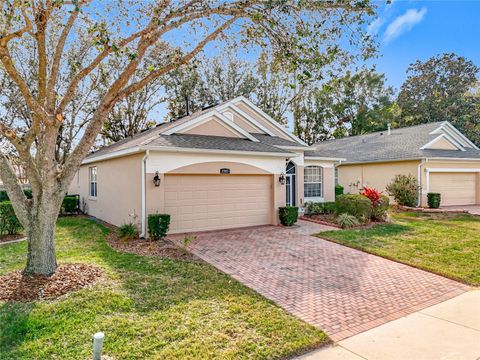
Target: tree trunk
point(40, 231)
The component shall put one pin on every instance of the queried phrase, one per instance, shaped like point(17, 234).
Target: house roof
point(401, 144)
point(276, 141)
point(212, 143)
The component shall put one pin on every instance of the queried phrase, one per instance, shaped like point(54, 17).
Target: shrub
point(158, 225)
point(288, 215)
point(128, 231)
point(372, 194)
point(347, 221)
point(4, 195)
point(316, 208)
point(434, 200)
point(354, 204)
point(338, 190)
point(313, 208)
point(70, 204)
point(379, 211)
point(404, 189)
point(329, 207)
point(9, 224)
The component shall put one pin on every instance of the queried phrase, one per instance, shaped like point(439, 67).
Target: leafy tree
point(73, 39)
point(445, 87)
point(357, 103)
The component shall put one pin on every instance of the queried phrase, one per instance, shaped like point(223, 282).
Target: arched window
point(313, 182)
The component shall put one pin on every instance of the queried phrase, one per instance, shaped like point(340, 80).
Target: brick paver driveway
point(340, 290)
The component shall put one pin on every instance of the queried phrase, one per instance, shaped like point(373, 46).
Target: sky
point(416, 30)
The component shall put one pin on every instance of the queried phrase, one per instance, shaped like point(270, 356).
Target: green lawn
point(445, 244)
point(148, 307)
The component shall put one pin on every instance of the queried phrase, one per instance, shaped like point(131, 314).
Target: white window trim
point(90, 182)
point(314, 198)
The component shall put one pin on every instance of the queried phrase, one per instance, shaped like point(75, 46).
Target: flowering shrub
point(373, 194)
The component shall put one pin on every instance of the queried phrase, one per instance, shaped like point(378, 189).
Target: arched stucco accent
point(214, 167)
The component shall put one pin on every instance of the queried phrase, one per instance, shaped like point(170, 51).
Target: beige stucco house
point(227, 166)
point(441, 158)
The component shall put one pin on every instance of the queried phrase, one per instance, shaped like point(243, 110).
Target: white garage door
point(210, 202)
point(456, 188)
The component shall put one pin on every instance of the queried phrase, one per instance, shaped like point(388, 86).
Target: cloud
point(375, 26)
point(404, 23)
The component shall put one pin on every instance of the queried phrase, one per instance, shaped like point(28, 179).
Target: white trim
point(454, 158)
point(288, 147)
point(313, 199)
point(444, 137)
point(251, 119)
point(451, 130)
point(144, 196)
point(119, 153)
point(324, 158)
point(452, 170)
point(218, 151)
point(204, 118)
point(459, 134)
point(267, 117)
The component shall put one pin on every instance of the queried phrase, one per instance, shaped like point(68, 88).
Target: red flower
point(372, 194)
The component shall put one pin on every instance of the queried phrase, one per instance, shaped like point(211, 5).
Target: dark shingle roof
point(212, 143)
point(275, 140)
point(401, 144)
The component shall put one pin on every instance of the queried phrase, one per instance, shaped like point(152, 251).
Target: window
point(313, 182)
point(93, 181)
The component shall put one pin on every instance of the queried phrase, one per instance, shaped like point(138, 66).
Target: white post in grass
point(98, 345)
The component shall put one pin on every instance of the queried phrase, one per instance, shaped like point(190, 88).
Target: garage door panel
point(455, 188)
point(202, 202)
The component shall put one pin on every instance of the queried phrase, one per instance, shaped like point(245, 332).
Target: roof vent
point(210, 106)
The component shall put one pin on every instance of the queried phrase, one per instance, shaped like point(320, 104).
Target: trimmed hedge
point(288, 215)
point(338, 190)
point(9, 224)
point(316, 208)
point(158, 225)
point(354, 204)
point(71, 204)
point(4, 195)
point(434, 200)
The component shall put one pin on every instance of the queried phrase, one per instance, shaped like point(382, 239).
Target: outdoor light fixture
point(281, 179)
point(156, 179)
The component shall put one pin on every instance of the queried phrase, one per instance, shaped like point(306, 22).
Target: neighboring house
point(441, 158)
point(227, 166)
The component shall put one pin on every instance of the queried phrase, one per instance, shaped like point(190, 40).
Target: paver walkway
point(472, 209)
point(338, 289)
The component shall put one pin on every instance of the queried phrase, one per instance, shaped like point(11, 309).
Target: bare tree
point(130, 30)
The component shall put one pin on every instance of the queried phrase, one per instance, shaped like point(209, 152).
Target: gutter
point(144, 196)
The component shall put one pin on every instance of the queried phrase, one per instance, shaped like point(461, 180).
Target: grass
point(148, 308)
point(448, 245)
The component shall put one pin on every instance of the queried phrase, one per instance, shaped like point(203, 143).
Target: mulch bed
point(163, 248)
point(324, 219)
point(69, 277)
point(8, 238)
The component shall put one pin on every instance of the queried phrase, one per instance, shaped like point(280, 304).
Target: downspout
point(419, 176)
point(144, 195)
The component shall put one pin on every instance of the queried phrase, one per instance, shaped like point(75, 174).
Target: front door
point(290, 184)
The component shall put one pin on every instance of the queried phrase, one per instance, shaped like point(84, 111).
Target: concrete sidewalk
point(449, 330)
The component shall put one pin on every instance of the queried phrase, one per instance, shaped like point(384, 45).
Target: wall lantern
point(156, 179)
point(281, 179)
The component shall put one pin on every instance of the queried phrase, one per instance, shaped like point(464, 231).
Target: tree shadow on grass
point(13, 325)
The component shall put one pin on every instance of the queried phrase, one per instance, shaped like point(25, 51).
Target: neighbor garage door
point(456, 188)
point(210, 202)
